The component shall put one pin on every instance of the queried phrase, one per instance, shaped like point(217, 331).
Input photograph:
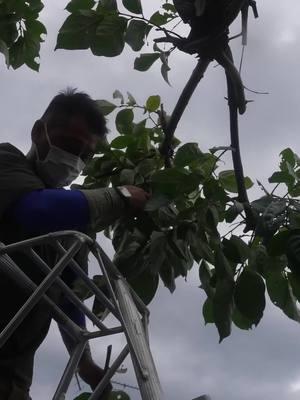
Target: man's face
point(72, 135)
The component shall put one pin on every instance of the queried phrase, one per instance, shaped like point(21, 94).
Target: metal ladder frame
point(124, 304)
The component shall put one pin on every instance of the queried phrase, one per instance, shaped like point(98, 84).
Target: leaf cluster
point(180, 224)
point(104, 28)
point(21, 32)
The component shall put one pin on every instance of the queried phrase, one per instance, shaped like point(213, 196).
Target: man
point(33, 202)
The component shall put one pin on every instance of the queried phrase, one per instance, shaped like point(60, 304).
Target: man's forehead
point(76, 127)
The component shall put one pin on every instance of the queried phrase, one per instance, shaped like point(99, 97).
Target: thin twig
point(166, 31)
point(254, 91)
point(262, 188)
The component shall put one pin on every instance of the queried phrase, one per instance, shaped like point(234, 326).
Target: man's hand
point(92, 374)
point(138, 199)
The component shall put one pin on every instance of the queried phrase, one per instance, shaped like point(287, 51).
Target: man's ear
point(37, 130)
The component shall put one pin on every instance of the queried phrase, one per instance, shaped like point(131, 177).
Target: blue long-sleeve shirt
point(49, 210)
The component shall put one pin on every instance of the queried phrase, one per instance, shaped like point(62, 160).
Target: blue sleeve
point(50, 210)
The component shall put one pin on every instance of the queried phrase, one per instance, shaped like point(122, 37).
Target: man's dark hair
point(70, 103)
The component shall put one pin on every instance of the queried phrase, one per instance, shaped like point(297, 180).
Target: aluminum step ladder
point(130, 312)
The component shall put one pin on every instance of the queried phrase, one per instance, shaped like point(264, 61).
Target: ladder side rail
point(117, 302)
point(141, 355)
point(138, 343)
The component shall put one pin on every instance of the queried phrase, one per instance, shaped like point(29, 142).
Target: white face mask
point(60, 167)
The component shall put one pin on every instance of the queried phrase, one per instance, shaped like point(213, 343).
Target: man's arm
point(49, 210)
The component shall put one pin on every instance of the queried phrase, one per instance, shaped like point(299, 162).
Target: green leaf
point(288, 156)
point(35, 27)
point(131, 99)
point(277, 245)
point(121, 142)
point(129, 259)
point(127, 177)
point(281, 294)
point(175, 181)
point(156, 201)
point(236, 249)
point(153, 103)
point(170, 176)
point(167, 275)
point(17, 53)
point(199, 247)
point(109, 38)
point(110, 5)
point(187, 154)
point(136, 33)
point(5, 51)
point(83, 396)
point(81, 289)
point(73, 41)
point(223, 298)
point(105, 106)
point(258, 259)
point(205, 276)
point(169, 7)
point(261, 204)
point(293, 251)
point(179, 257)
point(282, 177)
point(134, 6)
point(145, 285)
point(147, 167)
point(159, 19)
point(76, 5)
point(208, 312)
point(124, 121)
point(118, 95)
point(145, 61)
point(78, 23)
point(249, 296)
point(164, 56)
point(294, 280)
point(234, 211)
point(157, 254)
point(77, 31)
point(240, 320)
point(228, 181)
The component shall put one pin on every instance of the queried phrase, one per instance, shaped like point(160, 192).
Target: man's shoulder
point(7, 149)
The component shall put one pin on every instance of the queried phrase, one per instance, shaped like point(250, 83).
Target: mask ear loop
point(47, 135)
point(48, 140)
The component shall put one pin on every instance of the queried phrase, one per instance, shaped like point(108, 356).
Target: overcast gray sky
point(263, 363)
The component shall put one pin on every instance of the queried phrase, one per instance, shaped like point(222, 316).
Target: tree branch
point(197, 75)
point(236, 155)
